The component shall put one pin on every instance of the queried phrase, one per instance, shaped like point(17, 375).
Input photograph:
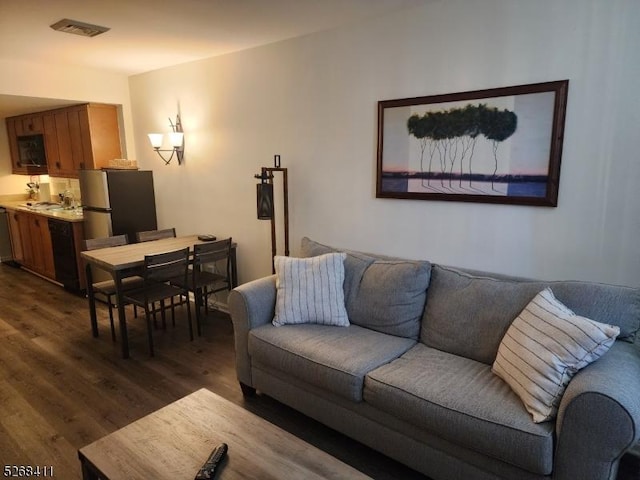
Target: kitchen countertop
point(58, 213)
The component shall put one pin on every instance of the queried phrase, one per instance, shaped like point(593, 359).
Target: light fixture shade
point(155, 139)
point(176, 138)
point(264, 193)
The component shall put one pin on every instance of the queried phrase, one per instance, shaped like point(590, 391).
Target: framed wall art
point(501, 145)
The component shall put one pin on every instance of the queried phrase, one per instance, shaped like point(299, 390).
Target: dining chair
point(107, 288)
point(206, 277)
point(158, 270)
point(149, 235)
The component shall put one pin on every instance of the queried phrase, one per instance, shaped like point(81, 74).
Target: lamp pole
point(266, 209)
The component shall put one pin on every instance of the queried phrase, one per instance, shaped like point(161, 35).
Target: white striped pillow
point(544, 348)
point(310, 290)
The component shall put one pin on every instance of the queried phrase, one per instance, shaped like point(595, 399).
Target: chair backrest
point(212, 251)
point(165, 266)
point(104, 242)
point(149, 235)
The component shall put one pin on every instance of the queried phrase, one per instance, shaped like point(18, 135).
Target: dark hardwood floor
point(61, 389)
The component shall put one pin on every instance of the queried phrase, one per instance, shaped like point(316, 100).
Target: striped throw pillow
point(544, 348)
point(310, 290)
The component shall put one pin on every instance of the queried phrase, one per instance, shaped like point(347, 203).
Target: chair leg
point(113, 328)
point(189, 316)
point(149, 330)
point(163, 315)
point(155, 318)
point(197, 294)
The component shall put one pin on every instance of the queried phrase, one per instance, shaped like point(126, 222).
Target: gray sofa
point(411, 376)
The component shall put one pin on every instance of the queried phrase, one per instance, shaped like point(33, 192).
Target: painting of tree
point(498, 146)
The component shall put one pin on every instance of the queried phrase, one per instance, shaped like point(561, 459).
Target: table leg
point(92, 300)
point(89, 472)
point(122, 319)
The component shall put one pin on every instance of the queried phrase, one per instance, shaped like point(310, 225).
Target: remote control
point(206, 238)
point(208, 470)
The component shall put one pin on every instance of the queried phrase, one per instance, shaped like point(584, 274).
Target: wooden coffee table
point(173, 443)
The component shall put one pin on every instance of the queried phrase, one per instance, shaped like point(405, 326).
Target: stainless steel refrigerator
point(117, 202)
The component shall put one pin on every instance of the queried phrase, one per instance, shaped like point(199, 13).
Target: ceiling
point(147, 35)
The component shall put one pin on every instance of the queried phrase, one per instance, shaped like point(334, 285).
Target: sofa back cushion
point(385, 294)
point(467, 313)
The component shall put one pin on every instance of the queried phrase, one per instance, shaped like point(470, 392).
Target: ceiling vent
point(78, 28)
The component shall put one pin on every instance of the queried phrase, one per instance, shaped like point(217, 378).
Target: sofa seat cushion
point(461, 401)
point(335, 359)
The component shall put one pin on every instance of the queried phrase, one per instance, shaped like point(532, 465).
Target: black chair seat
point(201, 280)
point(152, 293)
point(108, 287)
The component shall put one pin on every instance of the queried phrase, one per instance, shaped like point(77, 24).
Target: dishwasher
point(64, 253)
point(5, 238)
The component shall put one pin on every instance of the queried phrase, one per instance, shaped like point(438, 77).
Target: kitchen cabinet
point(33, 242)
point(79, 137)
point(29, 124)
point(86, 137)
point(17, 127)
point(35, 248)
point(16, 236)
point(41, 246)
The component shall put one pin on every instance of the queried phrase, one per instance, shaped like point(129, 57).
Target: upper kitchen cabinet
point(81, 137)
point(75, 138)
point(26, 144)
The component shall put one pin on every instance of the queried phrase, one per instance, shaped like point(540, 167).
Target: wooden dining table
point(128, 260)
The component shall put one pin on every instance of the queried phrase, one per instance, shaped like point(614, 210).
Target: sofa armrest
point(599, 416)
point(251, 304)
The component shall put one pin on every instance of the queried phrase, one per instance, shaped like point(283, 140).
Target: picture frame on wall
point(499, 145)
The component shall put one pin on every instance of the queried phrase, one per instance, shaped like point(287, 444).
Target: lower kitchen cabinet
point(16, 236)
point(48, 247)
point(35, 242)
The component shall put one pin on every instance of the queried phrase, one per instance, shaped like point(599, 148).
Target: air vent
point(78, 28)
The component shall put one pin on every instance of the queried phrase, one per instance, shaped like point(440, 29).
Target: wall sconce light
point(176, 140)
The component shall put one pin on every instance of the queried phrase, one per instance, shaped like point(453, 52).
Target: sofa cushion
point(468, 313)
point(335, 359)
point(383, 294)
point(309, 290)
point(544, 348)
point(461, 401)
point(355, 263)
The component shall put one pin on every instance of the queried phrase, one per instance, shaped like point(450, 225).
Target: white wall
point(313, 100)
point(53, 81)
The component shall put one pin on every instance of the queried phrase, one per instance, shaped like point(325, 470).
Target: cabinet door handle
point(57, 164)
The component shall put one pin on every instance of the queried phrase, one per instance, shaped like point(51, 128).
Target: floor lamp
point(265, 203)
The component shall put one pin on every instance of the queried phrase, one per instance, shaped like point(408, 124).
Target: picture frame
point(499, 145)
